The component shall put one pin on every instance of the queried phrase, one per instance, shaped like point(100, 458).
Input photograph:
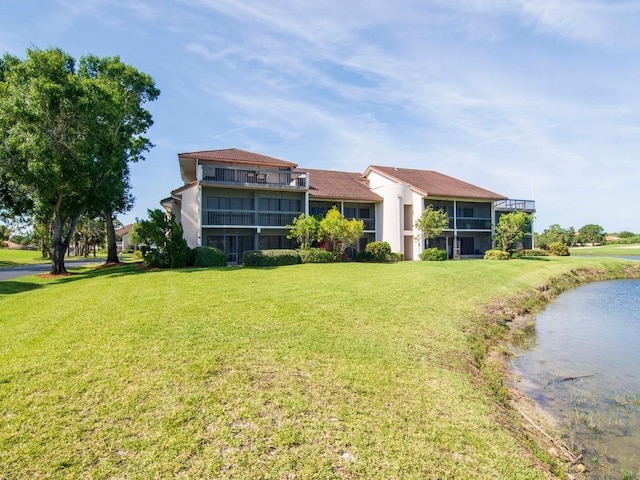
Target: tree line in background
point(68, 132)
point(590, 234)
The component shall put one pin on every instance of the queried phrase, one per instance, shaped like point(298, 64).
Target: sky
point(532, 99)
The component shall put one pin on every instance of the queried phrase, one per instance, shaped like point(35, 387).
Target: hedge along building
point(236, 201)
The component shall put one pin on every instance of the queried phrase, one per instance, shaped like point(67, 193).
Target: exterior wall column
point(200, 210)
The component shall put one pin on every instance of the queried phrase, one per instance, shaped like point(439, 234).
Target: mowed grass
point(620, 250)
point(310, 371)
point(12, 258)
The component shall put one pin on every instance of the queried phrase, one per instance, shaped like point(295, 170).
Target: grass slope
point(13, 258)
point(621, 250)
point(308, 371)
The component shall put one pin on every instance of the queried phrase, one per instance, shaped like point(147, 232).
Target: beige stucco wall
point(390, 223)
point(190, 216)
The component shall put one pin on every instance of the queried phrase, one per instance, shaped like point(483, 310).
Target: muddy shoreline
point(516, 314)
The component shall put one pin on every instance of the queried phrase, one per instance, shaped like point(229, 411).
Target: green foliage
point(432, 222)
point(304, 230)
point(270, 258)
point(625, 240)
point(496, 255)
point(396, 257)
point(338, 233)
point(433, 255)
point(5, 232)
point(90, 234)
point(535, 252)
point(379, 251)
point(67, 133)
point(555, 233)
point(20, 239)
point(511, 228)
point(626, 234)
point(209, 257)
point(559, 249)
point(591, 235)
point(315, 255)
point(164, 245)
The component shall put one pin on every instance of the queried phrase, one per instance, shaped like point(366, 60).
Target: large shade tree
point(66, 135)
point(122, 91)
point(591, 234)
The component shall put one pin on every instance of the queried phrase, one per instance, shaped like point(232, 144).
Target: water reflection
point(583, 366)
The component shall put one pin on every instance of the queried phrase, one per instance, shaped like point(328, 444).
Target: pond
point(582, 365)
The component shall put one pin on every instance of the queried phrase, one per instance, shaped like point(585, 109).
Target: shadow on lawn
point(7, 287)
point(117, 270)
point(114, 270)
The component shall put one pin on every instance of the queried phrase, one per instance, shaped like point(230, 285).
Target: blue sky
point(528, 98)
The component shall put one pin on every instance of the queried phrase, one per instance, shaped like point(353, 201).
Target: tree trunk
point(112, 248)
point(58, 249)
point(60, 244)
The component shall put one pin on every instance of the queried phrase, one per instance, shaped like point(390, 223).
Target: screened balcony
point(247, 219)
point(254, 177)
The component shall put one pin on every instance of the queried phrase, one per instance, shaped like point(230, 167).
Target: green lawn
point(12, 258)
point(608, 250)
point(309, 371)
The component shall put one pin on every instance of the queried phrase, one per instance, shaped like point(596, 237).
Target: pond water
point(582, 365)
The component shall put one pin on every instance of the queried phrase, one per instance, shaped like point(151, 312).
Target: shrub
point(137, 255)
point(433, 255)
point(364, 256)
point(378, 250)
point(496, 255)
point(536, 252)
point(164, 244)
point(395, 257)
point(269, 258)
point(315, 255)
point(209, 257)
point(3, 244)
point(559, 249)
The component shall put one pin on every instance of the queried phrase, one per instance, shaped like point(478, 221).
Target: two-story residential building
point(237, 200)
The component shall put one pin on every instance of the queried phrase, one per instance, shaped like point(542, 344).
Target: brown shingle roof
point(124, 230)
point(234, 155)
point(340, 185)
point(435, 184)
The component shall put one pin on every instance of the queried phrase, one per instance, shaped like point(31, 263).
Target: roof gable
point(434, 184)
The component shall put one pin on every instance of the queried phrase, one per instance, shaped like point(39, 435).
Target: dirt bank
point(515, 314)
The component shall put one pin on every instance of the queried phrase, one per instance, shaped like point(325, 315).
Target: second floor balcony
point(514, 205)
point(247, 219)
point(472, 223)
point(253, 177)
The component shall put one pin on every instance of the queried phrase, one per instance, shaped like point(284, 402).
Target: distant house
point(123, 233)
point(237, 200)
